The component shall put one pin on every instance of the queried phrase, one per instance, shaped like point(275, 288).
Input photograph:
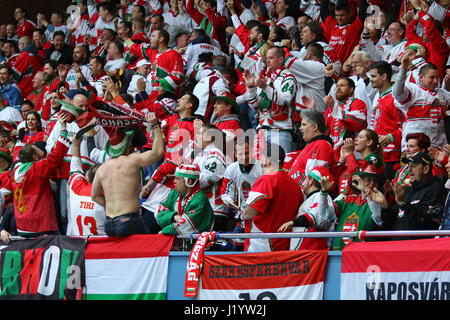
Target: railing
point(361, 235)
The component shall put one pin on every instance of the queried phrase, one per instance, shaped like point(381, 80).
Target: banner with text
point(396, 270)
point(50, 267)
point(130, 268)
point(281, 275)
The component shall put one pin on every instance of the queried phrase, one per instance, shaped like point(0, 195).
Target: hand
point(377, 196)
point(249, 78)
point(384, 140)
point(230, 6)
point(145, 191)
point(329, 101)
point(261, 83)
point(437, 154)
point(62, 118)
point(230, 30)
point(309, 103)
point(286, 226)
point(111, 86)
point(399, 192)
point(347, 148)
point(325, 184)
point(358, 183)
point(140, 84)
point(424, 6)
point(238, 216)
point(151, 119)
point(406, 61)
point(62, 71)
point(76, 141)
point(5, 236)
point(234, 50)
point(329, 70)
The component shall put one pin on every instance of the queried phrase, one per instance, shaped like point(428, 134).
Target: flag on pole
point(129, 268)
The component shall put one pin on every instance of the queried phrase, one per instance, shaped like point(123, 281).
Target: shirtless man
point(116, 185)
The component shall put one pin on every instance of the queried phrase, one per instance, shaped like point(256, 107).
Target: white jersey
point(190, 57)
point(237, 182)
point(425, 112)
point(71, 76)
point(211, 162)
point(319, 210)
point(85, 217)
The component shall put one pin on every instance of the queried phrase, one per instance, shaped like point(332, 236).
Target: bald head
point(80, 101)
point(23, 42)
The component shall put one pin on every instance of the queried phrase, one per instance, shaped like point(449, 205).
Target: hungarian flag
point(129, 268)
point(279, 275)
point(396, 270)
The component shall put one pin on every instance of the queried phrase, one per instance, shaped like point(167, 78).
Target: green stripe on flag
point(125, 296)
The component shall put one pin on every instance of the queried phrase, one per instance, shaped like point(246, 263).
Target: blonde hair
point(420, 49)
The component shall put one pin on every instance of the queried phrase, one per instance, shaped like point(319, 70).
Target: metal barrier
point(361, 235)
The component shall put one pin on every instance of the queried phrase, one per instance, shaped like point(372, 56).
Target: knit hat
point(70, 110)
point(85, 122)
point(319, 172)
point(168, 84)
point(5, 154)
point(229, 98)
point(118, 141)
point(371, 166)
point(143, 62)
point(188, 171)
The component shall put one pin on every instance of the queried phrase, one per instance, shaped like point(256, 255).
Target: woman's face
point(361, 142)
point(32, 121)
point(411, 148)
point(281, 6)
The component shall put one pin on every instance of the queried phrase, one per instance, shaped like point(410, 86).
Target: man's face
point(49, 72)
point(183, 41)
point(273, 60)
point(342, 17)
point(253, 36)
point(58, 42)
point(94, 67)
point(417, 172)
point(154, 39)
point(221, 108)
point(144, 70)
point(5, 77)
point(55, 19)
point(180, 185)
point(156, 23)
point(7, 50)
point(376, 79)
point(38, 80)
point(80, 101)
point(307, 129)
point(410, 53)
point(3, 30)
point(359, 66)
point(25, 109)
point(79, 54)
point(103, 13)
point(343, 90)
point(112, 50)
point(10, 30)
point(394, 33)
point(307, 36)
point(243, 154)
point(122, 31)
point(182, 103)
point(38, 39)
point(19, 14)
point(430, 80)
point(38, 153)
point(54, 103)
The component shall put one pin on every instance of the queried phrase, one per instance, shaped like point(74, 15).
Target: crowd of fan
point(347, 99)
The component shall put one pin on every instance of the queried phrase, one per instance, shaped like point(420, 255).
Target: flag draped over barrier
point(131, 268)
point(282, 275)
point(396, 270)
point(50, 267)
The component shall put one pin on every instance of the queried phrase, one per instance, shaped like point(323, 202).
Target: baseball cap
point(419, 157)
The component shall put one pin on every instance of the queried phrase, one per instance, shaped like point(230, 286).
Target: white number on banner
point(266, 295)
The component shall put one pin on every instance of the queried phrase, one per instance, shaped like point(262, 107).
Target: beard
point(341, 96)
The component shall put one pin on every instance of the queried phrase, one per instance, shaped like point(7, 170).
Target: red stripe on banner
point(398, 256)
point(134, 246)
point(263, 270)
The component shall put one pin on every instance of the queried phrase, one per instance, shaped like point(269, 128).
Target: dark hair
point(315, 28)
point(252, 23)
point(140, 22)
point(279, 50)
point(264, 30)
point(10, 70)
point(275, 153)
point(40, 30)
point(350, 82)
point(141, 9)
point(12, 43)
point(342, 6)
point(108, 7)
point(26, 153)
point(99, 60)
point(280, 34)
point(119, 45)
point(38, 117)
point(383, 67)
point(205, 57)
point(429, 66)
point(193, 100)
point(163, 33)
point(127, 25)
point(59, 33)
point(316, 50)
point(28, 102)
point(423, 141)
point(53, 63)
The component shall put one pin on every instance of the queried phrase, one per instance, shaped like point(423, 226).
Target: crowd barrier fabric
point(50, 267)
point(396, 270)
point(131, 268)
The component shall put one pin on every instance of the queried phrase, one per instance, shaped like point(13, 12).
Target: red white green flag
point(279, 275)
point(129, 268)
point(396, 270)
